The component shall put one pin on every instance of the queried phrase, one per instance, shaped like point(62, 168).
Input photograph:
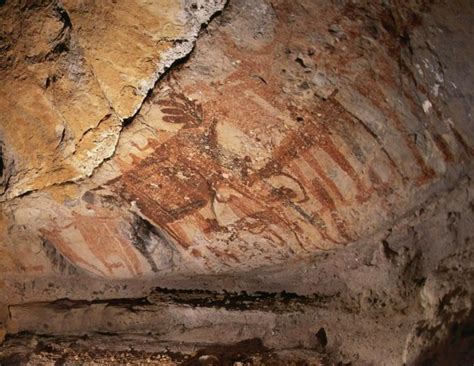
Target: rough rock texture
point(303, 178)
point(73, 72)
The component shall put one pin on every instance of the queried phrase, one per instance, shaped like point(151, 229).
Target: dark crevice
point(69, 304)
point(142, 233)
point(457, 348)
point(147, 239)
point(128, 120)
point(59, 262)
point(64, 17)
point(238, 301)
point(6, 168)
point(176, 64)
point(234, 301)
point(322, 337)
point(2, 164)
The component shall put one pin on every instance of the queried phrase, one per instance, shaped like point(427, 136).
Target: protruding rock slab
point(73, 71)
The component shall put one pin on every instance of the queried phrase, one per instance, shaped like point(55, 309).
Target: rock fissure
point(75, 60)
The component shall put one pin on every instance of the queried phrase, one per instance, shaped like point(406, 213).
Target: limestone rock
point(73, 72)
point(321, 150)
point(228, 167)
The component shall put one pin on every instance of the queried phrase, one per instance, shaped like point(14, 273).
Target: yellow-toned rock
point(72, 72)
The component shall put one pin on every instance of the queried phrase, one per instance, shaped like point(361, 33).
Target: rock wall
point(306, 168)
point(74, 72)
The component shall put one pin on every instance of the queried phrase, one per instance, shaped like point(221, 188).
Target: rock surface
point(329, 162)
point(73, 72)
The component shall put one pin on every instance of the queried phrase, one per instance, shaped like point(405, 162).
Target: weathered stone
point(220, 172)
point(74, 72)
point(336, 173)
